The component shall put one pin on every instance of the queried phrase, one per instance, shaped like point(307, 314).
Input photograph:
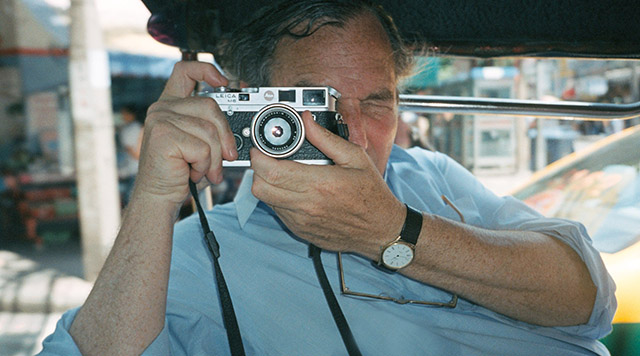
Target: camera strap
point(336, 311)
point(314, 252)
point(228, 314)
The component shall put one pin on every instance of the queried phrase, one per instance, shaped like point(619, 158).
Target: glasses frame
point(344, 290)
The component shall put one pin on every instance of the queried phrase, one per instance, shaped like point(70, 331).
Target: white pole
point(543, 86)
point(98, 197)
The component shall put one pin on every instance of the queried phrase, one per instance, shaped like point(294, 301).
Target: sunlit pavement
point(21, 334)
point(33, 294)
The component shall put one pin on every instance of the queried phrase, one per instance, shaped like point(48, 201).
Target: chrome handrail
point(569, 110)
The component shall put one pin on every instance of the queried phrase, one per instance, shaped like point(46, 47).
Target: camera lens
point(277, 131)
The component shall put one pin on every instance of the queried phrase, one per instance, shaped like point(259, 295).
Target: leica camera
point(270, 119)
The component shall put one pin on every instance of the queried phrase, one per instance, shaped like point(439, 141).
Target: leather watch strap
point(412, 226)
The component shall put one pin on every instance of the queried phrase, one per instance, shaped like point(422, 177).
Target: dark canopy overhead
point(480, 28)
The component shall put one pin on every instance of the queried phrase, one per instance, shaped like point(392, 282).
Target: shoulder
point(189, 230)
point(418, 159)
point(191, 261)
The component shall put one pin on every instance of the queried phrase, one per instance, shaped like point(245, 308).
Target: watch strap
point(412, 226)
point(408, 235)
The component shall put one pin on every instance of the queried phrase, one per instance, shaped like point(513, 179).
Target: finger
point(286, 174)
point(201, 133)
point(187, 74)
point(203, 184)
point(274, 196)
point(208, 110)
point(187, 135)
point(339, 150)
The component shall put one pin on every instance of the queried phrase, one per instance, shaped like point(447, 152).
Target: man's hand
point(342, 207)
point(184, 136)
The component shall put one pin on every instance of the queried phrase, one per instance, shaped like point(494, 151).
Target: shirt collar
point(245, 202)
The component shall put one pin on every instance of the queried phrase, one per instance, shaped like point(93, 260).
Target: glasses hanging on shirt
point(401, 300)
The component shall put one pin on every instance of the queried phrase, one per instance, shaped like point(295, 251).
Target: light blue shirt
point(281, 309)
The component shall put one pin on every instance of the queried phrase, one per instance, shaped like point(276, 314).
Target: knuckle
point(210, 106)
point(155, 107)
point(208, 128)
point(210, 103)
point(151, 121)
point(153, 117)
point(203, 150)
point(273, 176)
point(157, 126)
point(256, 189)
point(181, 66)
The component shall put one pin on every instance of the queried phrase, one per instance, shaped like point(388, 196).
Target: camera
point(269, 118)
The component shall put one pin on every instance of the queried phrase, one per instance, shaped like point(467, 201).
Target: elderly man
point(527, 285)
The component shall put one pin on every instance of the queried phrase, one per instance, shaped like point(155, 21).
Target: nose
point(356, 123)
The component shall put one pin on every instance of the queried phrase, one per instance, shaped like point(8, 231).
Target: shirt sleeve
point(193, 311)
point(506, 213)
point(60, 343)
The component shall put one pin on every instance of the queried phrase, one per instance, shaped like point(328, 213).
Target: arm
point(525, 275)
point(184, 138)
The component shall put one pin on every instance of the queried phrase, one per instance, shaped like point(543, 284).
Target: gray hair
point(247, 54)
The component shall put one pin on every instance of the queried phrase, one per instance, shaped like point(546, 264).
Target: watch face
point(397, 256)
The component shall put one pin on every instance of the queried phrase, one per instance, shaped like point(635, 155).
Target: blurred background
point(76, 83)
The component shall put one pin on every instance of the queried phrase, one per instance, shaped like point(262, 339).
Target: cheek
point(381, 133)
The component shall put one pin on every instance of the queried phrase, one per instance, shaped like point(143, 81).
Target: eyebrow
point(380, 95)
point(306, 83)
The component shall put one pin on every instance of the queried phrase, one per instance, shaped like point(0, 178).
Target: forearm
point(525, 275)
point(185, 138)
point(126, 308)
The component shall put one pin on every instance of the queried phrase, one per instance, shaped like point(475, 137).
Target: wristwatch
point(400, 252)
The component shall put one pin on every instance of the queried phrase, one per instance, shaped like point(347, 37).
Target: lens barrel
point(277, 131)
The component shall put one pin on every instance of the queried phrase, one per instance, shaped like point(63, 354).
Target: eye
point(377, 109)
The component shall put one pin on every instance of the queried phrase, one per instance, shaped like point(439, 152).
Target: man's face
point(357, 61)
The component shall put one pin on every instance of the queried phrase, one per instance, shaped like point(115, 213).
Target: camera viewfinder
point(243, 97)
point(313, 97)
point(287, 95)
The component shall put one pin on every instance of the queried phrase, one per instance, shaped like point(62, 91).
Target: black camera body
point(269, 118)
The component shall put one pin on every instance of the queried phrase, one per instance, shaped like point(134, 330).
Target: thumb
point(340, 151)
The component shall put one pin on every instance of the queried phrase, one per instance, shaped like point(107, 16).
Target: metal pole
point(514, 107)
point(98, 195)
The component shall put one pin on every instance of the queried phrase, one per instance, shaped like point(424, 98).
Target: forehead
point(358, 51)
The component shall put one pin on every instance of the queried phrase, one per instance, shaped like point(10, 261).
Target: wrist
point(154, 205)
point(400, 252)
point(386, 229)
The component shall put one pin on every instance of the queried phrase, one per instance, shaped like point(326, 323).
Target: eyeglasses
point(348, 292)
